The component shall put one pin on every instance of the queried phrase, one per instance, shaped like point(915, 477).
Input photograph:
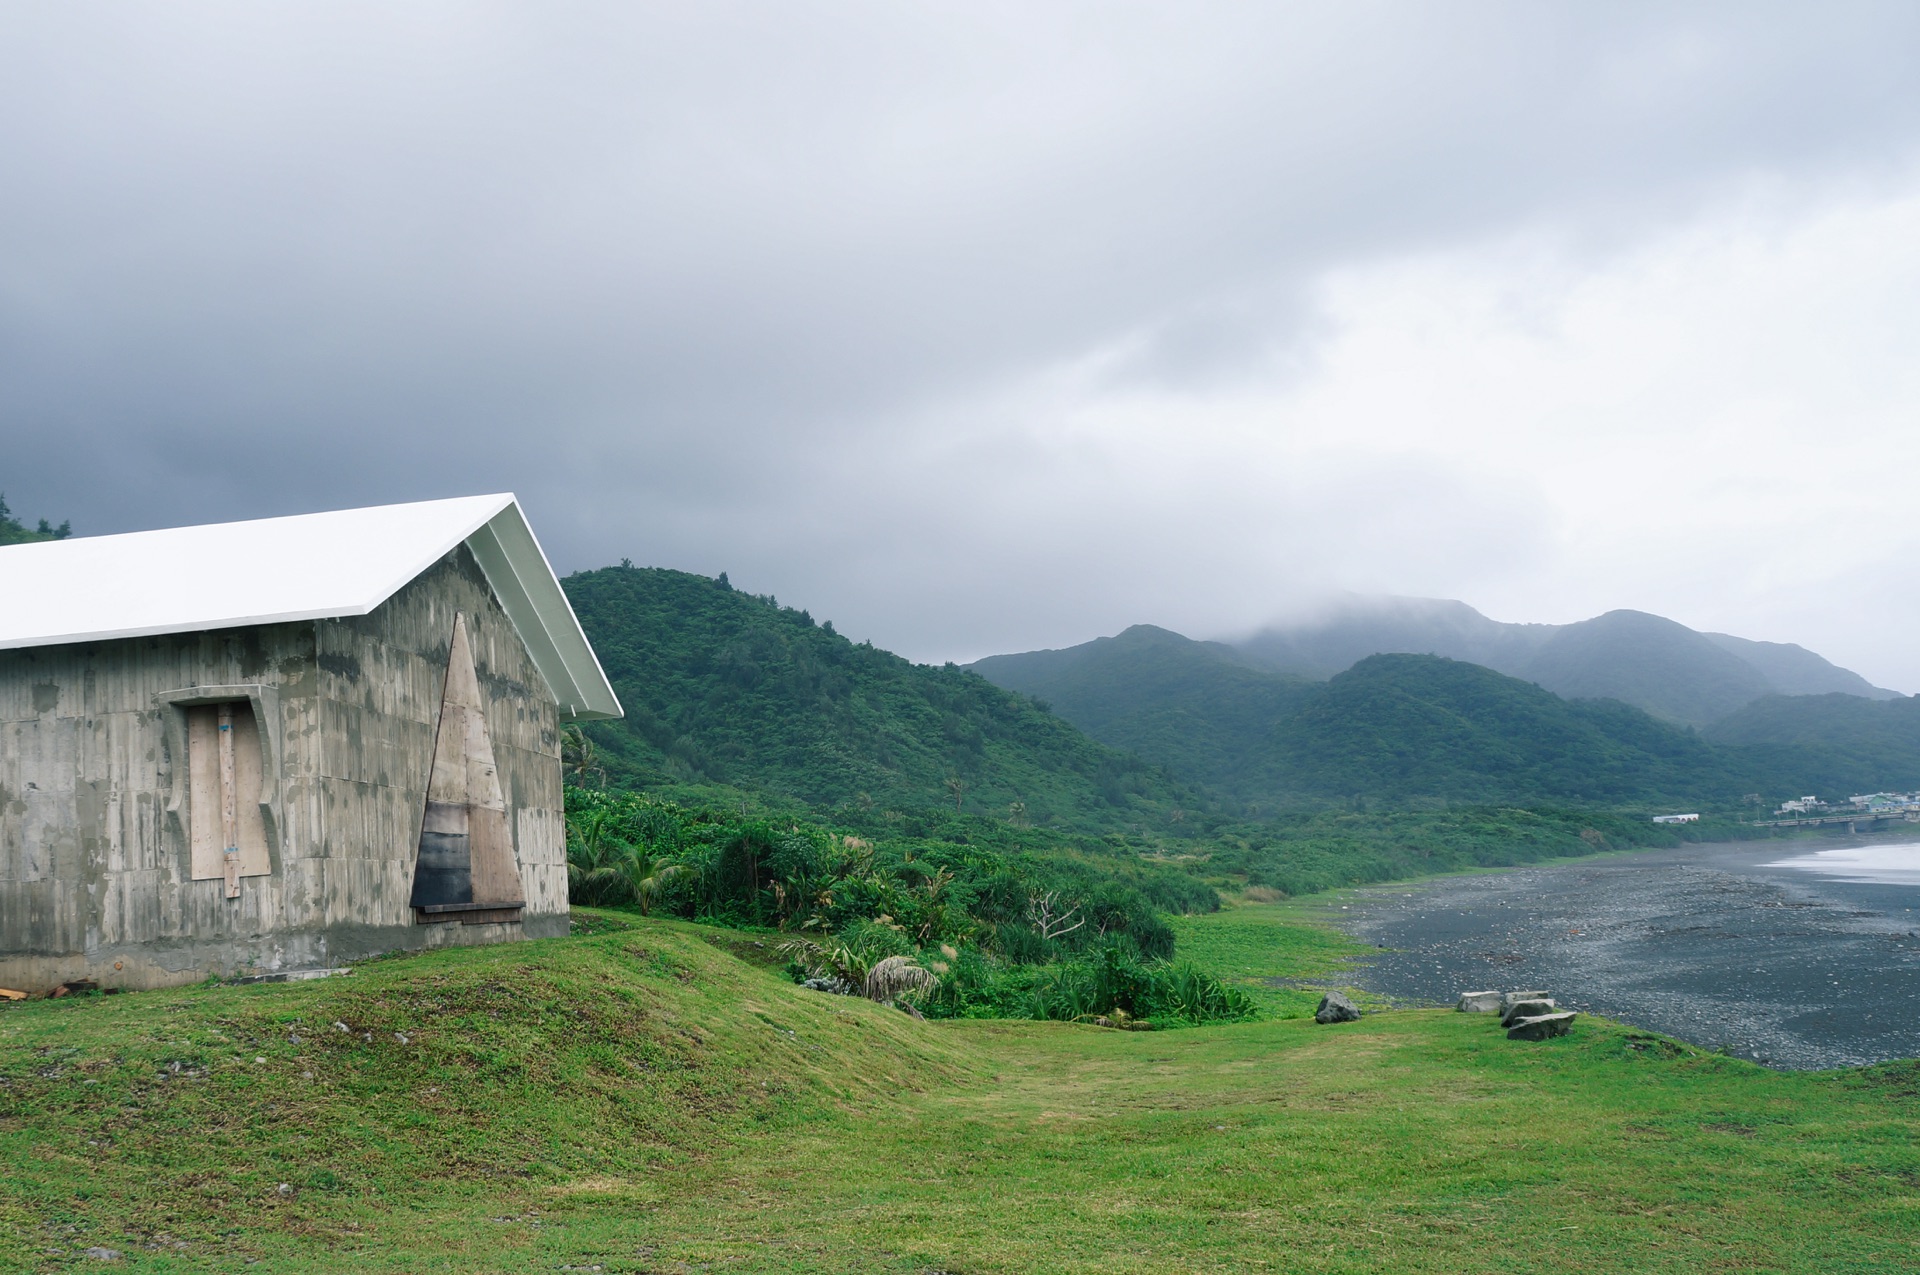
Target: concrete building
point(277, 745)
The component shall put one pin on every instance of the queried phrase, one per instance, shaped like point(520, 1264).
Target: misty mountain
point(1794, 670)
point(1398, 726)
point(1383, 626)
point(1655, 664)
point(1391, 726)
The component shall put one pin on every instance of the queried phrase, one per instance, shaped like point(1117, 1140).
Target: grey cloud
point(696, 279)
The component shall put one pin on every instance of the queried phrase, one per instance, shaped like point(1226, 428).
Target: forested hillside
point(1150, 729)
point(724, 687)
point(1873, 744)
point(1199, 708)
point(1419, 725)
point(1395, 728)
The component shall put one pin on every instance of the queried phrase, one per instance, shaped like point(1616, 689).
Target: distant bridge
point(1875, 820)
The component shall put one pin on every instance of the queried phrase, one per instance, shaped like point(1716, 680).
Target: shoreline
point(1709, 943)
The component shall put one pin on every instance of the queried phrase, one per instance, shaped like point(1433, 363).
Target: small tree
point(596, 855)
point(579, 758)
point(646, 875)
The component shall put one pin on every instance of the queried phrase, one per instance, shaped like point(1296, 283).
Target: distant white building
point(1688, 818)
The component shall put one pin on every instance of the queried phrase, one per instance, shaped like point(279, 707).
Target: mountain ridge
point(1152, 729)
point(1405, 726)
point(1649, 661)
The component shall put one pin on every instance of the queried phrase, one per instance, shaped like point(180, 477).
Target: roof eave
point(529, 591)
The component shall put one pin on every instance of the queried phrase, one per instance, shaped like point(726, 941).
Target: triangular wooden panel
point(466, 844)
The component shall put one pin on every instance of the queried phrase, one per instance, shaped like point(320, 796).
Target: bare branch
point(1043, 910)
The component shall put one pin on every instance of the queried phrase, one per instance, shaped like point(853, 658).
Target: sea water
point(1868, 865)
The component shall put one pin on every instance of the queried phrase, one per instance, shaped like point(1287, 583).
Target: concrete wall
point(95, 858)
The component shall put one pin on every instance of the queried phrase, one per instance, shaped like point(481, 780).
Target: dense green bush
point(1109, 981)
point(1006, 933)
point(793, 874)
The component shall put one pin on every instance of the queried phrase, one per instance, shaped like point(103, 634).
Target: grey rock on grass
point(1479, 1003)
point(1528, 1009)
point(1335, 1008)
point(1541, 1028)
point(834, 986)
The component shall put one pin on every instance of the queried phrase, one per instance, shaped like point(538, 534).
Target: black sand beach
point(1715, 944)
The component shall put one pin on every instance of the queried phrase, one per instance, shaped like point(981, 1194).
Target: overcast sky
point(982, 327)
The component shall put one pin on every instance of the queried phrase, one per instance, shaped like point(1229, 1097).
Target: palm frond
point(898, 975)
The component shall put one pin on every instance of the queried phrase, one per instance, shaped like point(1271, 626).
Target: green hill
point(724, 687)
point(1839, 741)
point(1391, 727)
point(1200, 709)
point(727, 688)
point(1419, 725)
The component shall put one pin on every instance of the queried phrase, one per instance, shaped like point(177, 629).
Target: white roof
point(309, 567)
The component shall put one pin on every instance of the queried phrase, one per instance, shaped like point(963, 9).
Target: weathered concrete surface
point(95, 856)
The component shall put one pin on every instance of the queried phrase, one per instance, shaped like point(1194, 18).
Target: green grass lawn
point(644, 1100)
point(1281, 954)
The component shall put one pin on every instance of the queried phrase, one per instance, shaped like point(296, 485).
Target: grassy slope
point(642, 1099)
point(725, 687)
point(1275, 952)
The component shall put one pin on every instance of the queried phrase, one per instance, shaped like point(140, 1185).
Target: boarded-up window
point(223, 792)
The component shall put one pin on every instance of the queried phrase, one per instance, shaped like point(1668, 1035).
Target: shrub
point(1108, 981)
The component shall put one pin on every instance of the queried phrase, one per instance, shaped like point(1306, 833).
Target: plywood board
point(466, 842)
point(203, 792)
